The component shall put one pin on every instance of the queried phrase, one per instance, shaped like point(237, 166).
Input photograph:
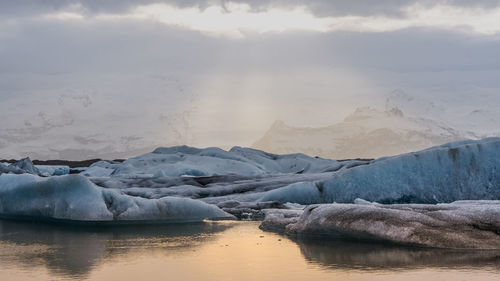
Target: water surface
point(219, 251)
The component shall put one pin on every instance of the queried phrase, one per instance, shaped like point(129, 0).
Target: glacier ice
point(249, 210)
point(52, 170)
point(277, 220)
point(186, 183)
point(65, 197)
point(20, 167)
point(455, 171)
point(461, 224)
point(74, 197)
point(213, 189)
point(287, 163)
point(100, 169)
point(190, 161)
point(26, 165)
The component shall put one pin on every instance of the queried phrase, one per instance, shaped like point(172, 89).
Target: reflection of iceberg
point(368, 256)
point(73, 251)
point(75, 198)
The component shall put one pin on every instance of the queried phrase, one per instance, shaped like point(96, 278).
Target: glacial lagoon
point(222, 250)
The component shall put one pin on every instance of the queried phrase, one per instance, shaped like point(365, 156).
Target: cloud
point(238, 20)
point(307, 62)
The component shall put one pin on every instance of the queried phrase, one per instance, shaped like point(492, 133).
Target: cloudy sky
point(123, 75)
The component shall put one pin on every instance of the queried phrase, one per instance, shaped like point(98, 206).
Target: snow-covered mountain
point(478, 116)
point(367, 133)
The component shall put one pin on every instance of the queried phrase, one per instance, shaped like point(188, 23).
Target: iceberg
point(75, 198)
point(455, 171)
point(100, 169)
point(183, 183)
point(196, 162)
point(466, 170)
point(212, 189)
point(287, 163)
point(276, 220)
point(461, 224)
point(52, 170)
point(20, 167)
point(249, 210)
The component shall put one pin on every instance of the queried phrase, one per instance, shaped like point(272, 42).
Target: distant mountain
point(478, 116)
point(367, 133)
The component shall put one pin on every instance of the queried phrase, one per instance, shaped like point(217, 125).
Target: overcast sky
point(219, 73)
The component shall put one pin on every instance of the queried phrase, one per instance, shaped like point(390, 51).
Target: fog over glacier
point(83, 79)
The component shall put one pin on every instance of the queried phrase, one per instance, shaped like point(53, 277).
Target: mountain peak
point(366, 133)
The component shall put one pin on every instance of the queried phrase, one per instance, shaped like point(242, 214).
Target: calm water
point(219, 251)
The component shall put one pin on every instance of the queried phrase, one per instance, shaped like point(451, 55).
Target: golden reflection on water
point(219, 251)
